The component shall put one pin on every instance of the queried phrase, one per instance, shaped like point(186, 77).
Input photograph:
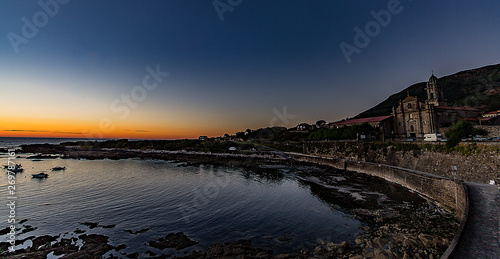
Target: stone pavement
point(481, 236)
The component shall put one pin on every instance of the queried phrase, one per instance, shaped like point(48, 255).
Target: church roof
point(456, 108)
point(363, 120)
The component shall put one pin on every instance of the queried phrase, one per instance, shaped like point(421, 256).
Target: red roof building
point(492, 114)
point(372, 120)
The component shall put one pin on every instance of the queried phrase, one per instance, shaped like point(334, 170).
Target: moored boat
point(58, 168)
point(40, 175)
point(18, 168)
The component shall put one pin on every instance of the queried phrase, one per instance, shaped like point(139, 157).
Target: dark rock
point(133, 256)
point(79, 231)
point(136, 232)
point(241, 249)
point(27, 229)
point(95, 246)
point(178, 241)
point(108, 226)
point(90, 225)
point(120, 247)
point(5, 231)
point(43, 240)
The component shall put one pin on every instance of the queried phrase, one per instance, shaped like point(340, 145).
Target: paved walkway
point(481, 236)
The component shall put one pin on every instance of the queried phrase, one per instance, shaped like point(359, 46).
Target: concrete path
point(481, 236)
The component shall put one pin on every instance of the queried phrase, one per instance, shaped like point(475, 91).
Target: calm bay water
point(209, 204)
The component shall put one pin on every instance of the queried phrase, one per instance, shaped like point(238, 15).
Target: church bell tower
point(435, 95)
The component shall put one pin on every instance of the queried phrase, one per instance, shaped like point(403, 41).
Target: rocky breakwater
point(415, 228)
point(249, 159)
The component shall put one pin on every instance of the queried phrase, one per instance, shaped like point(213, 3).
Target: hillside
point(478, 88)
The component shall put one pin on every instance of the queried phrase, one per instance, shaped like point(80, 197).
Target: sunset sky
point(99, 68)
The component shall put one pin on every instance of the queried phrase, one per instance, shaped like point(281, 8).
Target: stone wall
point(493, 130)
point(478, 166)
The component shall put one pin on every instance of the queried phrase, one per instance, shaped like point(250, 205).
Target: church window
point(409, 106)
point(412, 129)
point(411, 116)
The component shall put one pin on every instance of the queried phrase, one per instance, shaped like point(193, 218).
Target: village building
point(304, 127)
point(413, 118)
point(383, 125)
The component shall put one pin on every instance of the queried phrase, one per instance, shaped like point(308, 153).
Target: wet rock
point(381, 242)
point(398, 237)
point(241, 249)
point(108, 226)
point(368, 252)
point(136, 232)
point(79, 231)
point(288, 256)
point(94, 246)
point(427, 240)
point(90, 225)
point(173, 240)
point(120, 247)
point(27, 229)
point(5, 231)
point(410, 242)
point(43, 240)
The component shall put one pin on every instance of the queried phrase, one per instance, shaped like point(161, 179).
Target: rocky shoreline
point(415, 229)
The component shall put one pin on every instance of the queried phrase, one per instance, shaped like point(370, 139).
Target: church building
point(413, 118)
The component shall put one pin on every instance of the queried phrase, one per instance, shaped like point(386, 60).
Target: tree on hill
point(320, 123)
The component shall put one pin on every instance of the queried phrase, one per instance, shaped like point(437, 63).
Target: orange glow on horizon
point(46, 128)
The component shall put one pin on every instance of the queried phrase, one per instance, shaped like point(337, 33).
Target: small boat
point(15, 165)
point(18, 168)
point(58, 168)
point(40, 175)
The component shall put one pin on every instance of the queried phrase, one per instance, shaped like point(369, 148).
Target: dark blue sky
point(229, 75)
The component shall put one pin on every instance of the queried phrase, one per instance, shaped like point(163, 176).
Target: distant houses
point(490, 118)
point(304, 127)
point(492, 114)
point(382, 124)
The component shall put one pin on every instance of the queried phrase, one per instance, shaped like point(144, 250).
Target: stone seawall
point(478, 162)
point(450, 194)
